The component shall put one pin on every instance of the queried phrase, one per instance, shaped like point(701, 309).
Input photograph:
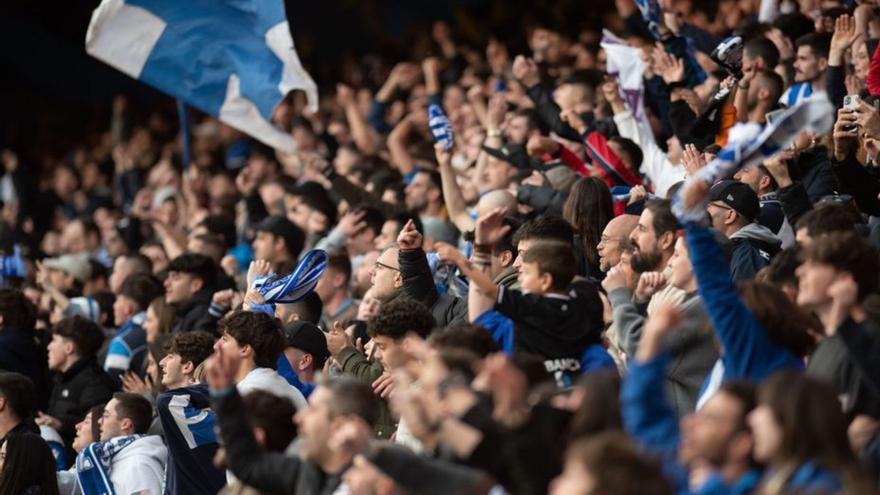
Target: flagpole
point(183, 117)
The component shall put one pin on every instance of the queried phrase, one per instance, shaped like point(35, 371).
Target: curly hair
point(258, 330)
point(192, 347)
point(398, 318)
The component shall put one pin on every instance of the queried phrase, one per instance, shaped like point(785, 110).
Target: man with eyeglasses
point(613, 240)
point(733, 207)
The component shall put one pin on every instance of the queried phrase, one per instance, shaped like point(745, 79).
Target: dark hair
point(763, 48)
point(85, 334)
point(138, 263)
point(197, 265)
point(847, 252)
point(212, 246)
point(272, 414)
point(17, 310)
point(506, 242)
point(309, 308)
point(819, 43)
point(97, 270)
point(18, 390)
point(258, 330)
point(351, 397)
point(617, 466)
point(814, 428)
point(221, 225)
point(397, 318)
point(664, 221)
point(373, 218)
point(194, 347)
point(533, 120)
point(600, 407)
point(340, 263)
point(136, 408)
point(827, 218)
point(631, 150)
point(545, 227)
point(771, 81)
point(747, 395)
point(468, 336)
point(142, 288)
point(29, 464)
point(589, 209)
point(786, 324)
point(781, 270)
point(555, 258)
point(96, 411)
point(165, 313)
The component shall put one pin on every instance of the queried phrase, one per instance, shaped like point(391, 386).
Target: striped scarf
point(292, 288)
point(93, 465)
point(814, 115)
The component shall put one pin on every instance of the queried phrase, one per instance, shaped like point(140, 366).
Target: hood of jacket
point(757, 233)
point(145, 448)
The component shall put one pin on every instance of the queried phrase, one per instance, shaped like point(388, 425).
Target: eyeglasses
point(607, 239)
point(379, 264)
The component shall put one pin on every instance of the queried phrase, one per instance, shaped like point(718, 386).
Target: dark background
point(55, 96)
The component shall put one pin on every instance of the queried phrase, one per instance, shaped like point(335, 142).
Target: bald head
point(614, 239)
point(495, 199)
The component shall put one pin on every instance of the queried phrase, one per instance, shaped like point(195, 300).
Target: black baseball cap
point(514, 154)
point(307, 337)
point(280, 226)
point(738, 196)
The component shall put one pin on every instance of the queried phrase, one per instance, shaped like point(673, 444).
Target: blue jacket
point(188, 422)
point(651, 420)
point(286, 371)
point(748, 352)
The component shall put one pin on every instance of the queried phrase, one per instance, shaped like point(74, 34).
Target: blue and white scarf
point(292, 288)
point(93, 465)
point(814, 116)
point(440, 126)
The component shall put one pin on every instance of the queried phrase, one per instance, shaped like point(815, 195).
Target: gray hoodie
point(692, 347)
point(753, 246)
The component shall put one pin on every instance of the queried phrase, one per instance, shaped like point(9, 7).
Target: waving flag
point(625, 64)
point(233, 59)
point(815, 116)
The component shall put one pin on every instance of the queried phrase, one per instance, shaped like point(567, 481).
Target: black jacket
point(20, 353)
point(75, 391)
point(418, 284)
point(190, 313)
point(266, 471)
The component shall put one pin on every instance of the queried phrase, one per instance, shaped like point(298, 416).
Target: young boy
point(187, 418)
point(554, 315)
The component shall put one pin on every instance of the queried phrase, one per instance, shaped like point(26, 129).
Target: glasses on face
point(720, 205)
point(605, 239)
point(379, 264)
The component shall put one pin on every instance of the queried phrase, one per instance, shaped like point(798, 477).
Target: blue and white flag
point(751, 147)
point(233, 59)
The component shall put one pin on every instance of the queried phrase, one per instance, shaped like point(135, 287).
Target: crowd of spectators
point(510, 303)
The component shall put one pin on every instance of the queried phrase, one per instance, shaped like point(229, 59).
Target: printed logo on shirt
point(563, 370)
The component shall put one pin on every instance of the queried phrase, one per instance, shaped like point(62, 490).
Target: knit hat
point(86, 307)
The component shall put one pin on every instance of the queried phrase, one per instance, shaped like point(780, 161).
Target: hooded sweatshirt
point(139, 467)
point(753, 246)
point(268, 380)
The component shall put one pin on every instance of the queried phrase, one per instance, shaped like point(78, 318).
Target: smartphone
point(851, 102)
